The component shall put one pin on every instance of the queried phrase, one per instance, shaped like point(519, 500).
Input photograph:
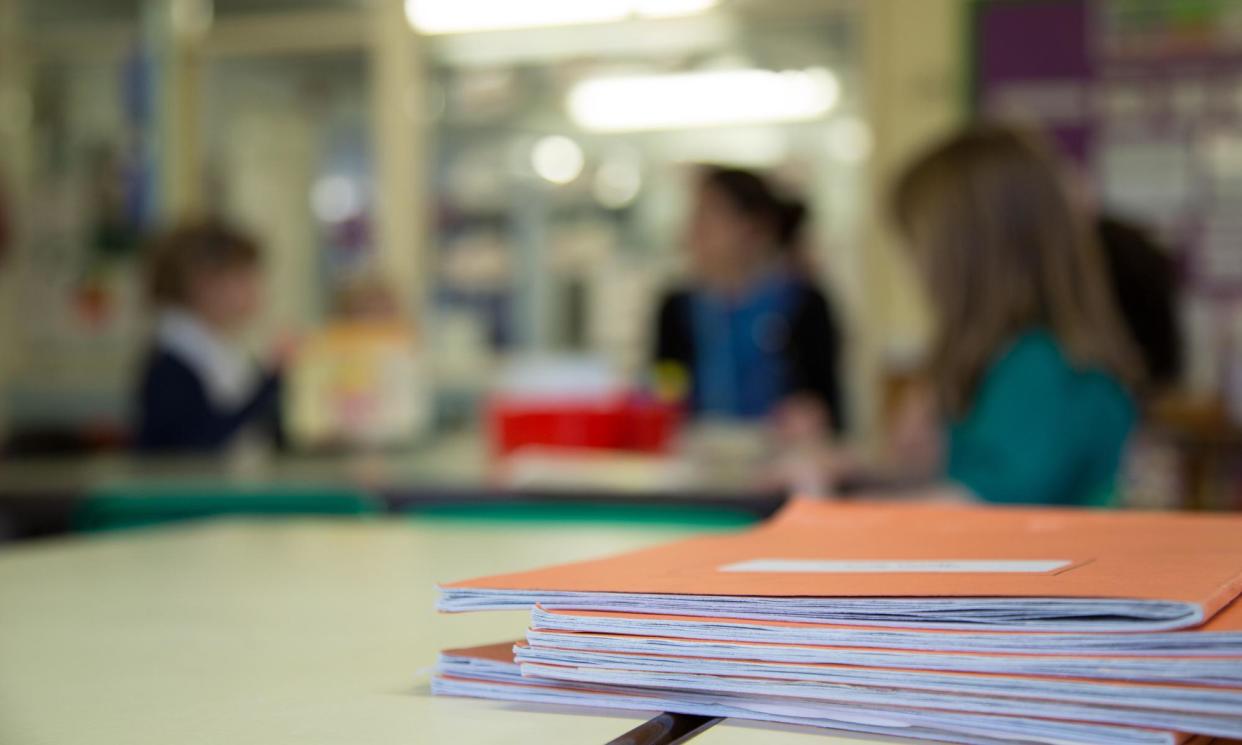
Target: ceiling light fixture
point(702, 99)
point(467, 16)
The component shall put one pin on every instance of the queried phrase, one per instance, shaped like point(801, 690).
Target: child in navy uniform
point(200, 391)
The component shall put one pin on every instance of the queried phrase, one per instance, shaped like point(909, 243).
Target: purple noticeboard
point(1035, 62)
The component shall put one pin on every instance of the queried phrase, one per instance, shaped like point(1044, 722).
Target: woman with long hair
point(1031, 370)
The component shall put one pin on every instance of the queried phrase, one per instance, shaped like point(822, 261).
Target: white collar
point(226, 371)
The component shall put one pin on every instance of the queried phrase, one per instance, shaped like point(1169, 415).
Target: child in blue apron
point(750, 330)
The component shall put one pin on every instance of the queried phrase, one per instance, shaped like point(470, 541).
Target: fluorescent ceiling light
point(557, 159)
point(671, 8)
point(464, 16)
point(702, 99)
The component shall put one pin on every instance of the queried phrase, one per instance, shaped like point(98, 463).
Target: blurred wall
point(14, 127)
point(915, 67)
point(401, 133)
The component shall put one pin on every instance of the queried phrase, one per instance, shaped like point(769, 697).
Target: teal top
point(1041, 431)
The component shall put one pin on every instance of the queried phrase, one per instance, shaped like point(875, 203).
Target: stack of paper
point(958, 624)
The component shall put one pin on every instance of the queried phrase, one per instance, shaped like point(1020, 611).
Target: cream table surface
point(298, 631)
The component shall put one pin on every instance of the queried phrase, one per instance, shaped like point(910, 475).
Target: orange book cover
point(827, 550)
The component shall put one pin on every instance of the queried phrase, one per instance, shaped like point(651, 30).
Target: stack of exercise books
point(956, 624)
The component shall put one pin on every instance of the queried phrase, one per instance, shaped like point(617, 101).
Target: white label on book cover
point(898, 566)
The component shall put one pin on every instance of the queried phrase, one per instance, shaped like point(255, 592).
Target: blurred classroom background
point(468, 211)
